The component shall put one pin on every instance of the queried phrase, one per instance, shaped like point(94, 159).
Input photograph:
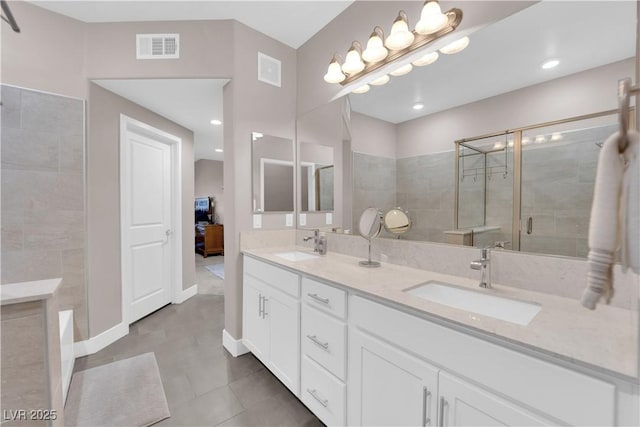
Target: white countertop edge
point(477, 331)
point(15, 293)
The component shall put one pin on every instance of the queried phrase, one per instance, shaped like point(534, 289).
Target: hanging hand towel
point(610, 223)
point(630, 205)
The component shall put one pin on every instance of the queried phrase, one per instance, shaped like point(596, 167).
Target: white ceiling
point(192, 103)
point(290, 22)
point(507, 55)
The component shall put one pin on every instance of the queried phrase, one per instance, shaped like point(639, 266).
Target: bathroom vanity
point(361, 347)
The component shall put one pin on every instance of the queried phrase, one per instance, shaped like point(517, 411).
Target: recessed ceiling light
point(418, 106)
point(219, 150)
point(550, 64)
point(216, 122)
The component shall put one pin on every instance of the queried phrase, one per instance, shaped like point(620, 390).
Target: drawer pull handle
point(425, 396)
point(319, 298)
point(324, 345)
point(314, 394)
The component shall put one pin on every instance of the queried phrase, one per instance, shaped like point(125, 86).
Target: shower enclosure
point(532, 186)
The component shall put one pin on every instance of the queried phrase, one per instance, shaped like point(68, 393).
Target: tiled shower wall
point(374, 184)
point(43, 197)
point(425, 188)
point(557, 192)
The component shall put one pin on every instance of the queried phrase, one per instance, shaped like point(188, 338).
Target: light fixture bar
point(455, 17)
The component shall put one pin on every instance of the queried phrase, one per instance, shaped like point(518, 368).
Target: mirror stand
point(368, 263)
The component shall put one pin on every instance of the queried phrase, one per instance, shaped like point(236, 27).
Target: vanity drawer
point(279, 278)
point(324, 339)
point(322, 393)
point(324, 297)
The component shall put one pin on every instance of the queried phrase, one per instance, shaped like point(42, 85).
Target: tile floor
point(208, 283)
point(204, 385)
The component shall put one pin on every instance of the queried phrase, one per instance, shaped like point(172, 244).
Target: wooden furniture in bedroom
point(210, 239)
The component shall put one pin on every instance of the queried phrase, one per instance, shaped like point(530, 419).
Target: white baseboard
point(100, 341)
point(233, 346)
point(184, 295)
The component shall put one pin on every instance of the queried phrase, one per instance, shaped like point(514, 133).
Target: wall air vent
point(269, 70)
point(157, 46)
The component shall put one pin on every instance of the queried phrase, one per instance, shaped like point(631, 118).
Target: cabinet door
point(462, 404)
point(283, 313)
point(255, 324)
point(387, 386)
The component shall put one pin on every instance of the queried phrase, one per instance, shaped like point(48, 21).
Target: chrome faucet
point(484, 265)
point(316, 239)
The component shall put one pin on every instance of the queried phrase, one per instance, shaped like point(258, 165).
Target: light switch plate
point(257, 221)
point(329, 218)
point(289, 220)
point(303, 219)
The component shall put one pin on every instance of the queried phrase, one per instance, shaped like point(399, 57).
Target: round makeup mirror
point(397, 221)
point(370, 226)
point(370, 223)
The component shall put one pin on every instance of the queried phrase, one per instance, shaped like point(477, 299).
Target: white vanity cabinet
point(479, 382)
point(271, 319)
point(389, 387)
point(324, 351)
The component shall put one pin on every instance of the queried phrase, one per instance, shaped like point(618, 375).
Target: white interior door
point(147, 222)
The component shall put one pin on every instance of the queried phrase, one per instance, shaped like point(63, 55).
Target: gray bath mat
point(217, 269)
point(128, 392)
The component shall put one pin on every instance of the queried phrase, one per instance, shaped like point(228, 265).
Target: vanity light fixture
point(526, 140)
point(334, 73)
point(432, 19)
point(353, 62)
point(219, 150)
point(556, 136)
point(216, 122)
point(428, 59)
point(361, 89)
point(401, 71)
point(418, 106)
point(550, 64)
point(375, 51)
point(456, 46)
point(540, 139)
point(380, 81)
point(400, 41)
point(400, 37)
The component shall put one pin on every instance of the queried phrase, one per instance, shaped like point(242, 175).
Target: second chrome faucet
point(484, 265)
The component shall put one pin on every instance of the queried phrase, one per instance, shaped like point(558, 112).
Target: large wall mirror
point(273, 173)
point(487, 145)
point(316, 178)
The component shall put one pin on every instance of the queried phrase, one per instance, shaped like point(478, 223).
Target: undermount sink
point(519, 312)
point(295, 255)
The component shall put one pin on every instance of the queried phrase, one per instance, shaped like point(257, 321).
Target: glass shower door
point(558, 174)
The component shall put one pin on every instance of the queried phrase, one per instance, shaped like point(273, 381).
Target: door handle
point(168, 232)
point(441, 412)
point(530, 225)
point(425, 396)
point(264, 307)
point(260, 309)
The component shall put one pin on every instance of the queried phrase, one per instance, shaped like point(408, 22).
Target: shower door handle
point(530, 225)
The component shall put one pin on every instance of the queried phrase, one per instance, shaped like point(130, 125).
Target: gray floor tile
point(203, 383)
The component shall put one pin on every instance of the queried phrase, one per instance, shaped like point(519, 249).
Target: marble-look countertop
point(14, 293)
point(606, 338)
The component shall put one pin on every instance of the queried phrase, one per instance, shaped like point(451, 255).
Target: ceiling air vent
point(157, 46)
point(269, 70)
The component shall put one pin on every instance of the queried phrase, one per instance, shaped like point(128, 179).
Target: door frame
point(128, 124)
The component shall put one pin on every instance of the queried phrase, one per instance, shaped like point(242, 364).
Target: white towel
point(630, 244)
point(614, 223)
